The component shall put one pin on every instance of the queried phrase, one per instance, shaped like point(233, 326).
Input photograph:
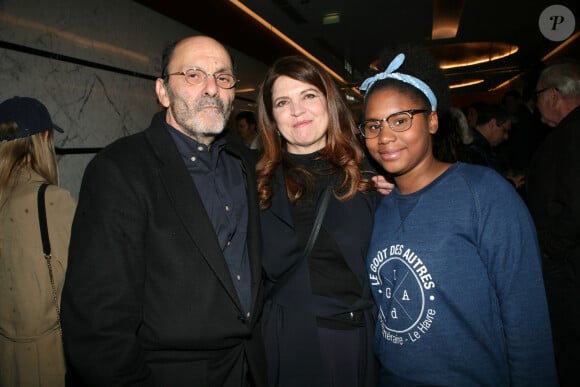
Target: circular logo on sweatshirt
point(403, 289)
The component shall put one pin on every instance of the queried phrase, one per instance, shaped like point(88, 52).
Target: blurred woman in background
point(31, 352)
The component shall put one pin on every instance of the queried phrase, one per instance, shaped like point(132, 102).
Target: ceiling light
point(446, 18)
point(466, 83)
point(561, 46)
point(504, 84)
point(331, 18)
point(468, 54)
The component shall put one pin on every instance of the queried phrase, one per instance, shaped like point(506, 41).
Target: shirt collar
point(187, 145)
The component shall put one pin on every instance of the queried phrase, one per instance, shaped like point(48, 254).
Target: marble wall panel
point(92, 63)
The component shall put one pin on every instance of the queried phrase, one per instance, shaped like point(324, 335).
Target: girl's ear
point(433, 122)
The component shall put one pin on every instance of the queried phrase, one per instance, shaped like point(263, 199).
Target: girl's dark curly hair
point(447, 142)
point(420, 64)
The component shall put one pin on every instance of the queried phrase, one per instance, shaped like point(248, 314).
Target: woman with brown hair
point(318, 318)
point(31, 351)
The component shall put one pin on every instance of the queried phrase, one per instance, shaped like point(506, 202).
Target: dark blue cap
point(30, 114)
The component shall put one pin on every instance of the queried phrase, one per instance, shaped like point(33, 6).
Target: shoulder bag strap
point(309, 245)
point(46, 246)
point(42, 220)
point(317, 222)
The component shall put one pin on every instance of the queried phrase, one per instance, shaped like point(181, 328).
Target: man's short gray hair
point(563, 76)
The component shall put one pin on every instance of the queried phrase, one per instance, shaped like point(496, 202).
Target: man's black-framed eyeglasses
point(195, 76)
point(538, 92)
point(398, 122)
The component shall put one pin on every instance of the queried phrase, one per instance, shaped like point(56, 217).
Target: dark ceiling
point(368, 26)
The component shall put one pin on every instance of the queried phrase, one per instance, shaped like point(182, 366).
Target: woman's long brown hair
point(343, 150)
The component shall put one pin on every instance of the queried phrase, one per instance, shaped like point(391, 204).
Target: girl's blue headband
point(411, 80)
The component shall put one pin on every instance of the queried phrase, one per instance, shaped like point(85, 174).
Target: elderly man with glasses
point(163, 285)
point(553, 190)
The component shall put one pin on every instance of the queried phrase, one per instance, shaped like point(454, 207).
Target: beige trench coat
point(31, 351)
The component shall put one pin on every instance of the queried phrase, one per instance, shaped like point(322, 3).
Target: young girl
point(453, 262)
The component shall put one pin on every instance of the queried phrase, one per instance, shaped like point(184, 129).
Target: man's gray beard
point(196, 127)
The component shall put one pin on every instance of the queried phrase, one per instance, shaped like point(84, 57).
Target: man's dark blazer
point(148, 298)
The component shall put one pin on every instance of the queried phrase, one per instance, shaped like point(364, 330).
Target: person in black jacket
point(491, 129)
point(163, 286)
point(318, 313)
point(553, 192)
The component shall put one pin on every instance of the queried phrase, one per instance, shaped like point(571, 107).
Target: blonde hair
point(36, 151)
